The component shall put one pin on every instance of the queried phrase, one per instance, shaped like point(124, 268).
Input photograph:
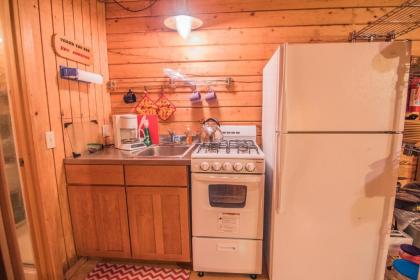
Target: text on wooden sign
point(72, 50)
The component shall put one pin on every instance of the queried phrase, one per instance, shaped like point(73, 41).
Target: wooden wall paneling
point(58, 27)
point(255, 19)
point(181, 100)
point(70, 33)
point(236, 40)
point(54, 108)
point(63, 84)
point(96, 60)
point(191, 54)
point(40, 121)
point(104, 62)
point(87, 40)
point(196, 126)
point(224, 114)
point(245, 36)
point(245, 67)
point(167, 7)
point(79, 37)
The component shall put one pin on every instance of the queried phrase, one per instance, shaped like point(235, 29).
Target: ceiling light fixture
point(183, 22)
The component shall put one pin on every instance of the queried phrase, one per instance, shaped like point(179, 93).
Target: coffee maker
point(126, 132)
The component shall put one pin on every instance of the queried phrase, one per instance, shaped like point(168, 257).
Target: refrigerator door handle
point(276, 180)
point(279, 188)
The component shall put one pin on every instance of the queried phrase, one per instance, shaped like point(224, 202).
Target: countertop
point(112, 155)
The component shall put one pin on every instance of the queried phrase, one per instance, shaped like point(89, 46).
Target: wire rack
point(395, 23)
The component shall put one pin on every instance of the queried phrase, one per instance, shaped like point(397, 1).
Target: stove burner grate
point(234, 146)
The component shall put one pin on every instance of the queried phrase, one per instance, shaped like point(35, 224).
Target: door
point(272, 92)
point(100, 223)
point(227, 205)
point(345, 86)
point(159, 223)
point(335, 201)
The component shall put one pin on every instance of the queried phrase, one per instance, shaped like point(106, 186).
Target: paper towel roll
point(89, 77)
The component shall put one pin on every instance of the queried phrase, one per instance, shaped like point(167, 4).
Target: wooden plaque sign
point(70, 49)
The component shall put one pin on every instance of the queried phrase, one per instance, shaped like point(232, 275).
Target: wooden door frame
point(22, 130)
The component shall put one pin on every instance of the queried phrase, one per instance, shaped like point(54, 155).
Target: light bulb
point(183, 25)
point(1, 40)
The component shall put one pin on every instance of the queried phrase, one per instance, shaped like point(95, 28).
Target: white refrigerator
point(333, 115)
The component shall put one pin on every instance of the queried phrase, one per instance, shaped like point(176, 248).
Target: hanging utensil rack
point(187, 83)
point(394, 24)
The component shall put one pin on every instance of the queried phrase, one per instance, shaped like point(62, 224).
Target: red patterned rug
point(107, 271)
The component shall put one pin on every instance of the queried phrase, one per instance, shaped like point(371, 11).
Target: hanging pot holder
point(146, 106)
point(165, 107)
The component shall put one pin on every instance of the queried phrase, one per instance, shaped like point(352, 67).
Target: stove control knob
point(250, 166)
point(238, 166)
point(204, 166)
point(227, 166)
point(216, 166)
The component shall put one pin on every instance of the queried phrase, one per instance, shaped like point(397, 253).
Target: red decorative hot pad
point(165, 107)
point(146, 106)
point(107, 271)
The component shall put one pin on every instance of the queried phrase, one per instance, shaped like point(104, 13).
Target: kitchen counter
point(115, 156)
point(142, 202)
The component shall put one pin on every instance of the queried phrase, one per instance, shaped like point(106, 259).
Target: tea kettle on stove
point(210, 131)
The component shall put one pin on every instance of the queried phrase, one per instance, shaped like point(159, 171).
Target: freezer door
point(335, 194)
point(346, 86)
point(272, 88)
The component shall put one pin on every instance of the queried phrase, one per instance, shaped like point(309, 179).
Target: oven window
point(227, 196)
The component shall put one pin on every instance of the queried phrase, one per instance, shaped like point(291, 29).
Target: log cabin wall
point(50, 102)
point(236, 40)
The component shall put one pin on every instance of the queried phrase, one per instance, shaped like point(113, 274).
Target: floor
point(25, 245)
point(84, 270)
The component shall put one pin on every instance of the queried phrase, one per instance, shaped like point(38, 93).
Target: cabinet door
point(159, 223)
point(100, 223)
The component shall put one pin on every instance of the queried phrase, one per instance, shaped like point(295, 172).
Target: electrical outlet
point(106, 130)
point(50, 139)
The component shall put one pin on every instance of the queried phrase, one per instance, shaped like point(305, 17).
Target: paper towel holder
point(76, 74)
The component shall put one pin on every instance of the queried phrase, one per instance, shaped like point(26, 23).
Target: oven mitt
point(406, 268)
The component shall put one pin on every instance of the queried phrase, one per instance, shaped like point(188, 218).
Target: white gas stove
point(237, 153)
point(228, 203)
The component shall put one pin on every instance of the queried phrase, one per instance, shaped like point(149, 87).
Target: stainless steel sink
point(166, 151)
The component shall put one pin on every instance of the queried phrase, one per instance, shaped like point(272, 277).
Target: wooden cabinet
point(100, 222)
point(159, 223)
point(94, 174)
point(131, 211)
point(156, 175)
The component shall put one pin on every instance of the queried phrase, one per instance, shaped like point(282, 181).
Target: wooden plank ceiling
point(237, 38)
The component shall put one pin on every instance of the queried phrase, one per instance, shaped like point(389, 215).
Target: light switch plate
point(50, 139)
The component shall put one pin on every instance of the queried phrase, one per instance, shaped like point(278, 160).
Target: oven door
point(227, 205)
